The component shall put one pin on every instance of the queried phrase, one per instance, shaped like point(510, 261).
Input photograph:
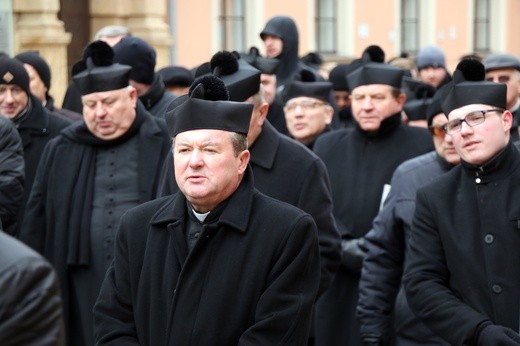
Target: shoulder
point(331, 139)
point(272, 210)
point(13, 253)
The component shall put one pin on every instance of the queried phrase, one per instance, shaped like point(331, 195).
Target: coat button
point(478, 180)
point(497, 289)
point(488, 238)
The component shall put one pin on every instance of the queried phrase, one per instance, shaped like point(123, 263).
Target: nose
point(195, 158)
point(8, 96)
point(100, 110)
point(465, 128)
point(367, 103)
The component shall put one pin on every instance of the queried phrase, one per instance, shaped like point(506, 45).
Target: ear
point(507, 120)
point(329, 113)
point(244, 157)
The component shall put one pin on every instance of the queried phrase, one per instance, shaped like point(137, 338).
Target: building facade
point(188, 32)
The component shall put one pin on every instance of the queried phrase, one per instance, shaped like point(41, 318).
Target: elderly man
point(272, 156)
point(35, 124)
point(462, 275)
point(217, 263)
point(382, 310)
point(360, 162)
point(505, 68)
point(88, 177)
point(308, 113)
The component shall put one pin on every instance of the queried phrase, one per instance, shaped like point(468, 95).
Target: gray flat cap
point(500, 61)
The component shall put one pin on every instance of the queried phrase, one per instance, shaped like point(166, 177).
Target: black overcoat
point(251, 278)
point(288, 171)
point(45, 227)
point(359, 165)
point(36, 130)
point(463, 265)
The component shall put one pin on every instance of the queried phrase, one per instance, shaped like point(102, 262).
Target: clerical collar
point(200, 216)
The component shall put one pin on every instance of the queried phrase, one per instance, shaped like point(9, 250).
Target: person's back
point(30, 303)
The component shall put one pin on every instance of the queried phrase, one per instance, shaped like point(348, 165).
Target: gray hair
point(112, 31)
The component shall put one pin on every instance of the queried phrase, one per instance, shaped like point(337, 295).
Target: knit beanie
point(34, 59)
point(13, 72)
point(138, 54)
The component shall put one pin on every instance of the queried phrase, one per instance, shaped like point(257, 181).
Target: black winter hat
point(207, 107)
point(101, 73)
point(13, 72)
point(265, 65)
point(34, 59)
point(241, 79)
point(469, 87)
point(306, 85)
point(176, 76)
point(137, 53)
point(375, 73)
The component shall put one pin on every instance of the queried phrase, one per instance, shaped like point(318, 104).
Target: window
point(326, 26)
point(410, 26)
point(232, 25)
point(481, 26)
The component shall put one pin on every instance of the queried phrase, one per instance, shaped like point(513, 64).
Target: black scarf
point(78, 250)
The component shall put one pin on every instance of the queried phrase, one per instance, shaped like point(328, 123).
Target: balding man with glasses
point(462, 276)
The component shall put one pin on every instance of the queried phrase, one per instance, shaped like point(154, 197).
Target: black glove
point(372, 340)
point(353, 252)
point(498, 335)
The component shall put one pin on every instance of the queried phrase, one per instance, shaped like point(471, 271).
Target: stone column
point(145, 19)
point(37, 27)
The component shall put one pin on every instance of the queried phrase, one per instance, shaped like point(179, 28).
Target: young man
point(217, 263)
point(462, 275)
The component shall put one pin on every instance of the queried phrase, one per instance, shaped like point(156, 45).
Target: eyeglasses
point(305, 105)
point(437, 131)
point(472, 119)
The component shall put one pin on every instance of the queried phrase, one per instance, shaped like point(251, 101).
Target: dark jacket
point(62, 112)
point(12, 174)
point(38, 128)
point(468, 221)
point(251, 278)
point(30, 303)
point(286, 170)
point(381, 295)
point(156, 100)
point(45, 227)
point(359, 165)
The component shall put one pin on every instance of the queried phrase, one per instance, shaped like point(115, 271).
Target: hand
point(353, 251)
point(498, 335)
point(372, 340)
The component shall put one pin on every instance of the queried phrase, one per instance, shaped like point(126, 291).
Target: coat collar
point(37, 120)
point(263, 151)
point(498, 167)
point(236, 214)
point(154, 93)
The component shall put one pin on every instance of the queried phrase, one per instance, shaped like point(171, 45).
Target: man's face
point(207, 170)
point(109, 114)
point(511, 78)
point(268, 82)
point(442, 142)
point(342, 98)
point(307, 117)
point(373, 103)
point(478, 144)
point(13, 100)
point(432, 75)
point(36, 85)
point(273, 46)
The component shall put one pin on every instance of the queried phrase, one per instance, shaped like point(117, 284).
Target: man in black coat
point(218, 263)
point(283, 168)
point(382, 310)
point(89, 176)
point(35, 124)
point(360, 162)
point(12, 174)
point(462, 275)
